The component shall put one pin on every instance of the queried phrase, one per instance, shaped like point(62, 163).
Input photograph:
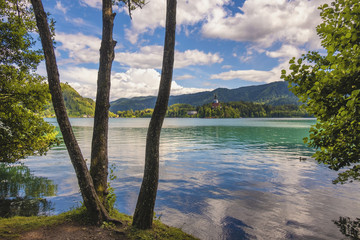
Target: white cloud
point(183, 77)
point(146, 57)
point(60, 7)
point(195, 57)
point(142, 82)
point(253, 75)
point(226, 66)
point(188, 13)
point(77, 21)
point(247, 75)
point(151, 57)
point(264, 22)
point(134, 82)
point(286, 52)
point(85, 49)
point(92, 3)
point(82, 79)
point(178, 90)
point(80, 48)
point(80, 75)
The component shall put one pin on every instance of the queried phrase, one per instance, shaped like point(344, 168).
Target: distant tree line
point(227, 110)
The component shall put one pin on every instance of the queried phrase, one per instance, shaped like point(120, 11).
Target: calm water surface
point(219, 178)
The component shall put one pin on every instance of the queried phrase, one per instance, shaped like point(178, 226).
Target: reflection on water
point(219, 178)
point(22, 194)
point(348, 227)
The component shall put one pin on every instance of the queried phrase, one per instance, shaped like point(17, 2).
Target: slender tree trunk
point(144, 211)
point(99, 149)
point(95, 208)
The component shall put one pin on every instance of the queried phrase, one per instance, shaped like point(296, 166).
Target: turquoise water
point(219, 178)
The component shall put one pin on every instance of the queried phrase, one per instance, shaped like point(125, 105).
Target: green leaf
point(330, 88)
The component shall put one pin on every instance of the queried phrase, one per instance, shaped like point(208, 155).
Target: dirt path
point(71, 232)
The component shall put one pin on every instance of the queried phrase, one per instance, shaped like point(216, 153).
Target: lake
point(219, 178)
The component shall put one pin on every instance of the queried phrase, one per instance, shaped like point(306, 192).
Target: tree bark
point(99, 149)
point(94, 207)
point(144, 211)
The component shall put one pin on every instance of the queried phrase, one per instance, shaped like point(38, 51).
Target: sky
point(219, 43)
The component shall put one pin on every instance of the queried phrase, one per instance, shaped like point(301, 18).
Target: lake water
point(219, 178)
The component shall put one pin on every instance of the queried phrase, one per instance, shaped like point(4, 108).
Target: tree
point(99, 162)
point(329, 87)
point(99, 151)
point(95, 208)
point(144, 211)
point(99, 146)
point(23, 94)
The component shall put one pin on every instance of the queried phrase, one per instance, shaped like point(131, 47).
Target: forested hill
point(76, 105)
point(276, 93)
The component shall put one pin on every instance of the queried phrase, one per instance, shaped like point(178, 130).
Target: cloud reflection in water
point(219, 178)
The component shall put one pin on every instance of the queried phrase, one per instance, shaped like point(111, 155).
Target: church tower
point(215, 102)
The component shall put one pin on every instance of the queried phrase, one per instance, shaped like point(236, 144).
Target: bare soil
point(71, 231)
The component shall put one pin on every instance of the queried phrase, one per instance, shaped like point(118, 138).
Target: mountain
point(76, 105)
point(276, 93)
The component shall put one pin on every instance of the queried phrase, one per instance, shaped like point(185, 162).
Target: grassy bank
point(18, 227)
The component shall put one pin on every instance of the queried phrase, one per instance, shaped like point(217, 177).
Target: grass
point(13, 228)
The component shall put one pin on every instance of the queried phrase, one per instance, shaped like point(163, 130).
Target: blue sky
point(219, 43)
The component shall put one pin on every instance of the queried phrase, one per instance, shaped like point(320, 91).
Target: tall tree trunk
point(144, 211)
point(95, 208)
point(99, 149)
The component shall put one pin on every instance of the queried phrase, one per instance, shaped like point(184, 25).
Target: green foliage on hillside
point(227, 110)
point(276, 93)
point(250, 110)
point(179, 110)
point(146, 113)
point(76, 105)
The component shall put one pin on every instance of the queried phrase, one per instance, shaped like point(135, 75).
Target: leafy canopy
point(329, 86)
point(23, 94)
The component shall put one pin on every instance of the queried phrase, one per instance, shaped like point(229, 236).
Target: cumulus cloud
point(142, 82)
point(82, 79)
point(286, 52)
point(151, 57)
point(183, 77)
point(80, 75)
point(247, 75)
point(132, 83)
point(195, 57)
point(145, 57)
point(80, 48)
point(85, 49)
point(253, 75)
point(92, 3)
point(265, 22)
point(226, 66)
point(188, 13)
point(60, 7)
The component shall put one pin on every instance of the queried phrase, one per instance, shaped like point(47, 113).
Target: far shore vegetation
point(79, 107)
point(227, 110)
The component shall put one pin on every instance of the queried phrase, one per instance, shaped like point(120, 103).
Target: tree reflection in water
point(349, 227)
point(23, 194)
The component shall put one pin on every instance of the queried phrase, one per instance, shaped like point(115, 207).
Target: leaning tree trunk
point(99, 148)
point(144, 211)
point(93, 205)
